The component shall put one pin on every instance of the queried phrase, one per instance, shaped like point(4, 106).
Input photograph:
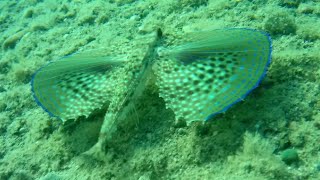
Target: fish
point(202, 76)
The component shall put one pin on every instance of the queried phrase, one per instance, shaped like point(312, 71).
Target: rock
point(51, 176)
point(12, 40)
point(280, 24)
point(290, 3)
point(289, 156)
point(318, 167)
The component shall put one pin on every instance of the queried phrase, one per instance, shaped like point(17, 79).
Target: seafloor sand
point(252, 140)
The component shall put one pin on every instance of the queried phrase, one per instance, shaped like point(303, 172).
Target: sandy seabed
point(273, 134)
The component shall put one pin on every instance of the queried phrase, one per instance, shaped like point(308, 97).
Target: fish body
point(203, 76)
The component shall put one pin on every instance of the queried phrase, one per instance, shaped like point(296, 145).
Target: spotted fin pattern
point(75, 85)
point(212, 71)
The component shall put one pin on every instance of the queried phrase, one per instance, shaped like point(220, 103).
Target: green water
point(273, 134)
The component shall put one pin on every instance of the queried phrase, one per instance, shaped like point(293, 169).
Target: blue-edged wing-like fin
point(212, 71)
point(74, 85)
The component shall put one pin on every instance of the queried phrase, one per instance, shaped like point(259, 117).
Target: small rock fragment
point(280, 24)
point(289, 156)
point(28, 13)
point(11, 41)
point(290, 3)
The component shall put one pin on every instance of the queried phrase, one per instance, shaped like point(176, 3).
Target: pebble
point(289, 156)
